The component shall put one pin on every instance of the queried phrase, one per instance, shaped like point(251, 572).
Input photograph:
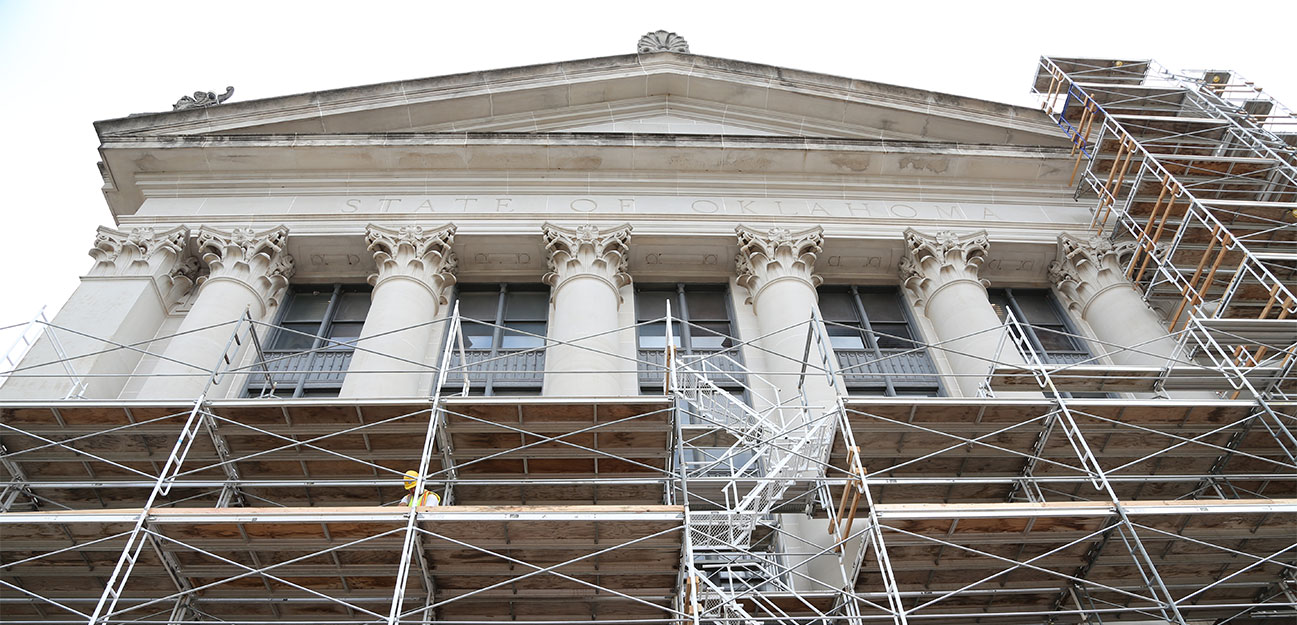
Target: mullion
point(870, 339)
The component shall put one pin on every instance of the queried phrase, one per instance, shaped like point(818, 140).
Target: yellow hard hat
point(411, 478)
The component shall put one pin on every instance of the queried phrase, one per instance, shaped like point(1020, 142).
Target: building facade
point(676, 339)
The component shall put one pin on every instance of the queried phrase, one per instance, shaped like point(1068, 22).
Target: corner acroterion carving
point(777, 254)
point(202, 99)
point(587, 251)
point(933, 261)
point(414, 253)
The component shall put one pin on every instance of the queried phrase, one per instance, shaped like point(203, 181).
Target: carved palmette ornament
point(932, 261)
point(662, 41)
point(777, 253)
point(423, 254)
point(257, 259)
point(587, 250)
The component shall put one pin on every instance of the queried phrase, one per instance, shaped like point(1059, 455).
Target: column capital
point(146, 253)
point(257, 260)
point(415, 253)
point(587, 251)
point(1085, 268)
point(931, 262)
point(774, 254)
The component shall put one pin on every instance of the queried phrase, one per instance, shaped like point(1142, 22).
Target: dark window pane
point(526, 306)
point(707, 305)
point(307, 307)
point(1055, 339)
point(882, 306)
point(343, 331)
point(653, 336)
point(652, 304)
point(846, 338)
point(837, 306)
point(477, 336)
point(1037, 307)
point(893, 336)
point(710, 336)
point(517, 340)
point(479, 305)
point(353, 306)
point(295, 336)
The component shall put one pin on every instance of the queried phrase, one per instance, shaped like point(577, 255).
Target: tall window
point(310, 350)
point(876, 344)
point(505, 357)
point(1043, 322)
point(701, 331)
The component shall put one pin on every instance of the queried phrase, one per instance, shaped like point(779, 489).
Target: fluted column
point(941, 271)
point(248, 270)
point(136, 278)
point(1090, 279)
point(777, 267)
point(416, 268)
point(587, 270)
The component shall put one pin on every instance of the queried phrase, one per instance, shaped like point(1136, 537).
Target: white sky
point(66, 64)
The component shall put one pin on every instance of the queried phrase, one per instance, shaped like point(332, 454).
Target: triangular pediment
point(634, 94)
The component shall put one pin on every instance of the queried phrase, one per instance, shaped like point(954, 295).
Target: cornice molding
point(768, 256)
point(932, 262)
point(587, 251)
point(412, 252)
point(1086, 268)
point(257, 260)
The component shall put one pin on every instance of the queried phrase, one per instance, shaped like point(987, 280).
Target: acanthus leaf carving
point(258, 260)
point(587, 250)
point(933, 261)
point(146, 252)
point(1085, 268)
point(777, 254)
point(413, 252)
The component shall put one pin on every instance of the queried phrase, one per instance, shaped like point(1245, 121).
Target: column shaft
point(249, 272)
point(941, 272)
point(415, 269)
point(122, 301)
point(587, 272)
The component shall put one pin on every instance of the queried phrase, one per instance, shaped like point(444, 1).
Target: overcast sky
point(65, 64)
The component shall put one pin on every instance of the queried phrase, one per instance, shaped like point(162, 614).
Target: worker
point(426, 498)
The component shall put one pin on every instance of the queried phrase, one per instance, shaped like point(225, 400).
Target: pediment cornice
point(834, 105)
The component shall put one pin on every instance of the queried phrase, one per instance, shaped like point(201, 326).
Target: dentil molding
point(413, 252)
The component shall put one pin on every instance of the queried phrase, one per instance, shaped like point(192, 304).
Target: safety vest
point(422, 501)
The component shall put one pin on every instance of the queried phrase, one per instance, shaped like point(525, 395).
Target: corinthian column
point(777, 267)
point(248, 271)
point(587, 270)
point(1090, 279)
point(941, 272)
point(416, 267)
point(136, 278)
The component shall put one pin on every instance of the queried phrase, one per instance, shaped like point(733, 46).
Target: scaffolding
point(732, 496)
